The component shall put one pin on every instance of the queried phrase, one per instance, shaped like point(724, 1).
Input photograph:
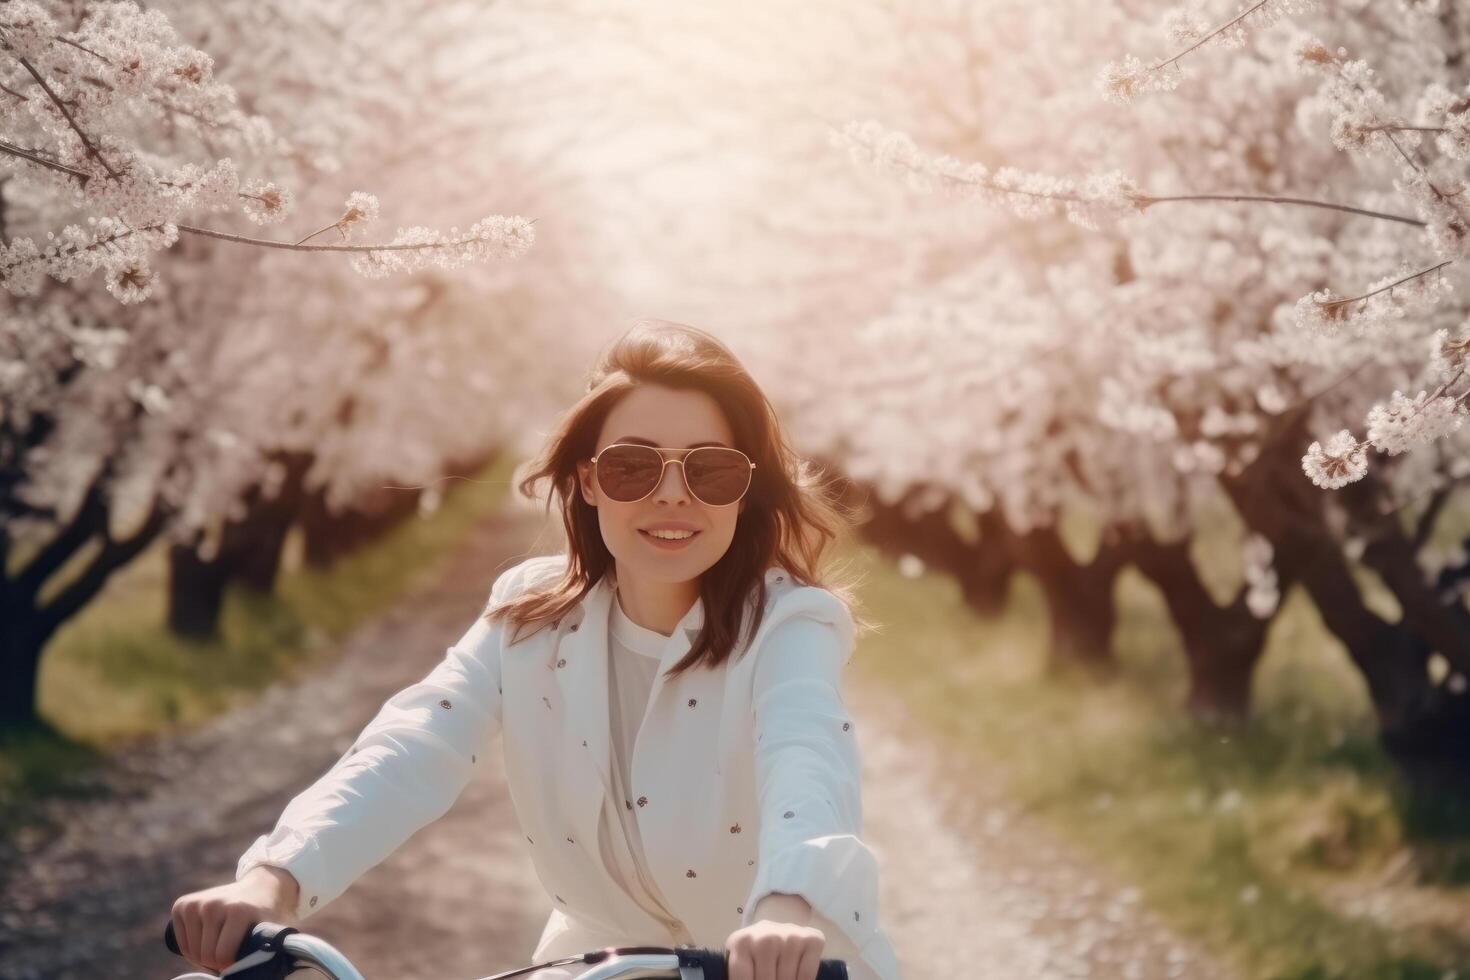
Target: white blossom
point(360, 211)
point(1449, 355)
point(1120, 82)
point(1403, 423)
point(1340, 462)
point(265, 203)
point(130, 284)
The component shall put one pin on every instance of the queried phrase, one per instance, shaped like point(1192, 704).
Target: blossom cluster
point(1450, 111)
point(106, 244)
point(1124, 80)
point(495, 237)
point(1086, 202)
point(1342, 460)
point(1403, 423)
point(1378, 310)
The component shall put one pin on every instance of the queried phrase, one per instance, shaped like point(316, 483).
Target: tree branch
point(1304, 202)
point(298, 247)
point(1333, 304)
point(61, 107)
point(90, 516)
point(40, 161)
point(1144, 201)
point(114, 555)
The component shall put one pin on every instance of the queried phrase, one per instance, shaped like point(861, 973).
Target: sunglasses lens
point(628, 473)
point(717, 476)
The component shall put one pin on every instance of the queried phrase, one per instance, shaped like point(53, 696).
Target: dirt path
point(970, 889)
point(175, 817)
point(966, 892)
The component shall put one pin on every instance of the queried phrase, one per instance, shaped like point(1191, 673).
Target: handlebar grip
point(712, 963)
point(264, 938)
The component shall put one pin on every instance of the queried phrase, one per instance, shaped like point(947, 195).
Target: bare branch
point(1333, 305)
point(298, 247)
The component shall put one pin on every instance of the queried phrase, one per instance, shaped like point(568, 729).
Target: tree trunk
point(28, 626)
point(383, 511)
point(1079, 597)
point(318, 532)
point(1082, 620)
point(1393, 554)
point(21, 643)
point(983, 569)
point(1222, 645)
point(988, 584)
point(196, 591)
point(249, 553)
point(262, 537)
point(1424, 727)
point(1306, 549)
point(330, 536)
point(259, 559)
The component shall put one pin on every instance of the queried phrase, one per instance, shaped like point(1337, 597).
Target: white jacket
point(748, 778)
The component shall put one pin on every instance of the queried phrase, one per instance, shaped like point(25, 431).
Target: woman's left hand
point(776, 950)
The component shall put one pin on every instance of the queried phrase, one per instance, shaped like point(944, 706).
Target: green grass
point(1238, 836)
point(115, 673)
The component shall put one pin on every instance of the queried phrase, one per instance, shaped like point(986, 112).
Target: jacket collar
point(581, 665)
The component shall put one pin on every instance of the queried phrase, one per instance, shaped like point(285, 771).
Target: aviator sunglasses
point(715, 475)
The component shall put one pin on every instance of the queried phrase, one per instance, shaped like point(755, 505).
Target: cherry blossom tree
point(126, 411)
point(1231, 355)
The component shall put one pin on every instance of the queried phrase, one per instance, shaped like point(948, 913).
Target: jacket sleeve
point(404, 770)
point(808, 771)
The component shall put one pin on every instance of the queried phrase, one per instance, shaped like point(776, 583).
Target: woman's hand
point(211, 924)
point(779, 945)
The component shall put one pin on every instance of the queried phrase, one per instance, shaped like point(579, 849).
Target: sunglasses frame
point(682, 472)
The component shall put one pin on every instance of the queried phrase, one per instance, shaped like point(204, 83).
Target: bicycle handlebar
point(711, 963)
point(272, 951)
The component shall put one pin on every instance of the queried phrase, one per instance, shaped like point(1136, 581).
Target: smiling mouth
point(669, 542)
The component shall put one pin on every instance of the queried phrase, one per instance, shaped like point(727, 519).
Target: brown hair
point(792, 515)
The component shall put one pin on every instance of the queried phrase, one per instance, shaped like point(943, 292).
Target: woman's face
point(671, 419)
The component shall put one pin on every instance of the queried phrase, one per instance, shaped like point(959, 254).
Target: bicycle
point(273, 952)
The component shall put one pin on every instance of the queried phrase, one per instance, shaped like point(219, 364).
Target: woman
point(676, 745)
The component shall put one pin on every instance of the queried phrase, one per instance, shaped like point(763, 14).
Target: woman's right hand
point(211, 924)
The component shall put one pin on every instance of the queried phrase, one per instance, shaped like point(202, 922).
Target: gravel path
point(966, 891)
